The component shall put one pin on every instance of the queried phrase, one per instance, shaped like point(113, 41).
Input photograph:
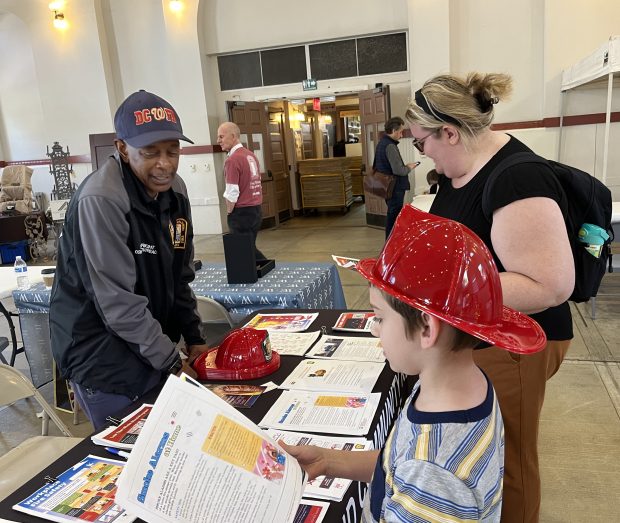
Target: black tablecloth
point(394, 389)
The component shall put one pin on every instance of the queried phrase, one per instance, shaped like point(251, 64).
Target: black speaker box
point(240, 258)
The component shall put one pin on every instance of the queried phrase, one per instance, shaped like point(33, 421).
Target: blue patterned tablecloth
point(287, 286)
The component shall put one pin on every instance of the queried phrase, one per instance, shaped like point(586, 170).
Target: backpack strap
point(506, 163)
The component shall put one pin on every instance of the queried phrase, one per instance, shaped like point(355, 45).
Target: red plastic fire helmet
point(441, 267)
point(244, 354)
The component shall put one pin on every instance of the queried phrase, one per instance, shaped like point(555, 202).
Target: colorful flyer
point(85, 492)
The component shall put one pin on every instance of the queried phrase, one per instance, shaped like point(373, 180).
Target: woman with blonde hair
point(450, 120)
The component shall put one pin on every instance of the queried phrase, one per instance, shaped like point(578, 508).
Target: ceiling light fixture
point(176, 6)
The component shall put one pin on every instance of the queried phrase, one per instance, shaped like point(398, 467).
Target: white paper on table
point(356, 377)
point(292, 343)
point(322, 487)
point(192, 448)
point(352, 348)
point(319, 412)
point(311, 511)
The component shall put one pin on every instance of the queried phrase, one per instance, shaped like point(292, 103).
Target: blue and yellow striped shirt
point(440, 466)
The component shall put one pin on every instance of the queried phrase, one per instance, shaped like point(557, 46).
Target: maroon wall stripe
point(581, 119)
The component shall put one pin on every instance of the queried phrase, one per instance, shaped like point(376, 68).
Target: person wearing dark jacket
point(121, 298)
point(389, 161)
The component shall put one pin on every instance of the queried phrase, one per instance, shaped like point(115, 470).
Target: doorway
point(314, 152)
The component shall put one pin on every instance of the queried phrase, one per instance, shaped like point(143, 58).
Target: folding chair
point(215, 319)
point(4, 342)
point(15, 386)
point(210, 311)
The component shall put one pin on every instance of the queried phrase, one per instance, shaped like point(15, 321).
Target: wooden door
point(374, 112)
point(251, 117)
point(279, 170)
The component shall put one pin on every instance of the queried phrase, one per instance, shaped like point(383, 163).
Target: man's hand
point(310, 457)
point(193, 351)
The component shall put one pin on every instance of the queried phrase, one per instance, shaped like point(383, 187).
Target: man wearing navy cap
point(121, 298)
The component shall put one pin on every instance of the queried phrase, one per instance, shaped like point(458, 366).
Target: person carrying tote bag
point(389, 163)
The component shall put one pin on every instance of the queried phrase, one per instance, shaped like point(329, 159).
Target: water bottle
point(21, 272)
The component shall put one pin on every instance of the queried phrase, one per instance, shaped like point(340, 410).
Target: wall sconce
point(59, 17)
point(176, 6)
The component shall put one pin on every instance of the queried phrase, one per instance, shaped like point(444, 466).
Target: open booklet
point(125, 434)
point(198, 459)
point(85, 492)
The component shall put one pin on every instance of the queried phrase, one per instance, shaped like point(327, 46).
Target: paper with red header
point(124, 436)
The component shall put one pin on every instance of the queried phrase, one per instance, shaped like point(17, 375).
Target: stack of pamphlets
point(123, 435)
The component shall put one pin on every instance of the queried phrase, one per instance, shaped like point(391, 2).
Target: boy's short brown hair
point(413, 322)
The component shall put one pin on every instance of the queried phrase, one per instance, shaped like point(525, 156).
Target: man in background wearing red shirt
point(244, 193)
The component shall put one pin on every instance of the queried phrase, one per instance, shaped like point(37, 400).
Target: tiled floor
point(580, 429)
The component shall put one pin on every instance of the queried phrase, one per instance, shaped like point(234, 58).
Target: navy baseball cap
point(144, 118)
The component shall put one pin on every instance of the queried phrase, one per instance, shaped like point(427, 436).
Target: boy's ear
point(430, 330)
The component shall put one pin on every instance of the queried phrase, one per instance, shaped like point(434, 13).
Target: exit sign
point(309, 84)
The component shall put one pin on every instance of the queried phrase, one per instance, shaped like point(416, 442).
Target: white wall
point(238, 25)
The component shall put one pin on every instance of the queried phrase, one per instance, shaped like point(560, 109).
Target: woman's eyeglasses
point(418, 143)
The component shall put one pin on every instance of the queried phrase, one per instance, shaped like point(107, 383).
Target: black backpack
point(588, 201)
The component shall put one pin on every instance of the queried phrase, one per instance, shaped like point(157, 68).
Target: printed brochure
point(85, 492)
point(124, 435)
point(237, 394)
point(356, 377)
point(193, 448)
point(283, 322)
point(355, 322)
point(327, 413)
point(348, 348)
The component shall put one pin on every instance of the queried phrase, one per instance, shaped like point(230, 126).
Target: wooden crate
point(350, 164)
point(326, 190)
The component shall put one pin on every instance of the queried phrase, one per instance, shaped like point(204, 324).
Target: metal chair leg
point(593, 308)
